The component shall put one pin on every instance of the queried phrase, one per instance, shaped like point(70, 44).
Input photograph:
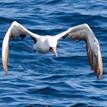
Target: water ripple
point(37, 80)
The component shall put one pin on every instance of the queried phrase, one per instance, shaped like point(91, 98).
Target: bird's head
point(52, 44)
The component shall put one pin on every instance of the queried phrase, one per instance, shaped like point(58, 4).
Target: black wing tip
point(99, 77)
point(5, 71)
point(99, 73)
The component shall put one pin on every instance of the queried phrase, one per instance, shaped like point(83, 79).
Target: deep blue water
point(37, 80)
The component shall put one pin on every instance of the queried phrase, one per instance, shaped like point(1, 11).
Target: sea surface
point(43, 80)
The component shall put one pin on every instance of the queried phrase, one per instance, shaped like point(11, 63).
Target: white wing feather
point(84, 32)
point(14, 30)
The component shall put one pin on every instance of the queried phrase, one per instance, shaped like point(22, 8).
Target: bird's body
point(45, 44)
point(41, 45)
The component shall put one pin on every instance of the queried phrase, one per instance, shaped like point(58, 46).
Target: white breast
point(41, 46)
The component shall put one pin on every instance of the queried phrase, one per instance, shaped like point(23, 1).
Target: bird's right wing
point(14, 30)
point(84, 32)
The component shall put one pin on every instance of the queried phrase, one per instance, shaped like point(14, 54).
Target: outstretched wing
point(84, 32)
point(14, 30)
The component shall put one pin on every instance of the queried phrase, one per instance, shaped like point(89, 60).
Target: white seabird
point(45, 44)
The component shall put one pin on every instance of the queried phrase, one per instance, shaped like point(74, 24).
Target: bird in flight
point(45, 44)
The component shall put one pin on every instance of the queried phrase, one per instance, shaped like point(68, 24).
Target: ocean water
point(37, 80)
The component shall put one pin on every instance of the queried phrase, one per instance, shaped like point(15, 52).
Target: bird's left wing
point(84, 32)
point(14, 30)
